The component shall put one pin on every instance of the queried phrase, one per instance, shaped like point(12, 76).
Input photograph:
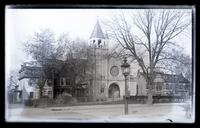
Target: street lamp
point(125, 71)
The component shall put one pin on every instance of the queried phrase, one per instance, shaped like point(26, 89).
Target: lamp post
point(126, 71)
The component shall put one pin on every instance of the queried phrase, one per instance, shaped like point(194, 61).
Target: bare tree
point(46, 50)
point(156, 31)
point(178, 63)
point(58, 58)
point(12, 80)
point(77, 64)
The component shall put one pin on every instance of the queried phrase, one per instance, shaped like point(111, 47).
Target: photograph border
point(79, 6)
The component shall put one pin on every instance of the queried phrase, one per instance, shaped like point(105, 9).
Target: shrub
point(73, 100)
point(28, 102)
point(63, 98)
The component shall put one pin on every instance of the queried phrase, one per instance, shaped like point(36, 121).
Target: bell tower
point(97, 38)
point(99, 46)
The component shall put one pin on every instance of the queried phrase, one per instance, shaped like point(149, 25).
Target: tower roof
point(97, 31)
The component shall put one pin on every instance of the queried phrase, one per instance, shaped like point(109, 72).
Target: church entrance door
point(114, 91)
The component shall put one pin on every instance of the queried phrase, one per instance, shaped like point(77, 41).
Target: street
point(101, 113)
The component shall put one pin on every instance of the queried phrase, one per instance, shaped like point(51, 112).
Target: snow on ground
point(176, 115)
point(174, 112)
point(14, 114)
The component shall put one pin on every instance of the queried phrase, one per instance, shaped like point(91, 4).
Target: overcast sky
point(78, 23)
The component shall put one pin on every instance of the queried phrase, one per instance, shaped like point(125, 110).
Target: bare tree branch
point(158, 28)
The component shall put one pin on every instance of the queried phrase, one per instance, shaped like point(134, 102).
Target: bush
point(138, 99)
point(83, 99)
point(156, 99)
point(28, 102)
point(43, 101)
point(63, 98)
point(73, 100)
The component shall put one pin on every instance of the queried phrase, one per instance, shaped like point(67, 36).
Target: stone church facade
point(108, 82)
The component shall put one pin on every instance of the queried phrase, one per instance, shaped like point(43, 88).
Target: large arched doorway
point(114, 91)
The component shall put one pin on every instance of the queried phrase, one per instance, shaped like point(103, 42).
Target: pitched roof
point(97, 31)
point(174, 78)
point(171, 78)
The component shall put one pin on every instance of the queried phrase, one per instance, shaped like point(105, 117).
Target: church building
point(108, 82)
point(105, 82)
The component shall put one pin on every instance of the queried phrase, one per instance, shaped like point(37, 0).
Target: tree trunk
point(150, 94)
point(41, 93)
point(150, 97)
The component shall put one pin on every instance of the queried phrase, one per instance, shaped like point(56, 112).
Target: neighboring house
point(29, 75)
point(14, 95)
point(13, 90)
point(165, 84)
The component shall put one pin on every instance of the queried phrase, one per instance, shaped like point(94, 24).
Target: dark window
point(187, 86)
point(49, 92)
point(102, 77)
point(55, 82)
point(80, 92)
point(31, 95)
point(99, 42)
point(30, 83)
point(167, 86)
point(158, 87)
point(93, 41)
point(49, 82)
point(68, 82)
point(62, 83)
point(102, 90)
point(20, 94)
